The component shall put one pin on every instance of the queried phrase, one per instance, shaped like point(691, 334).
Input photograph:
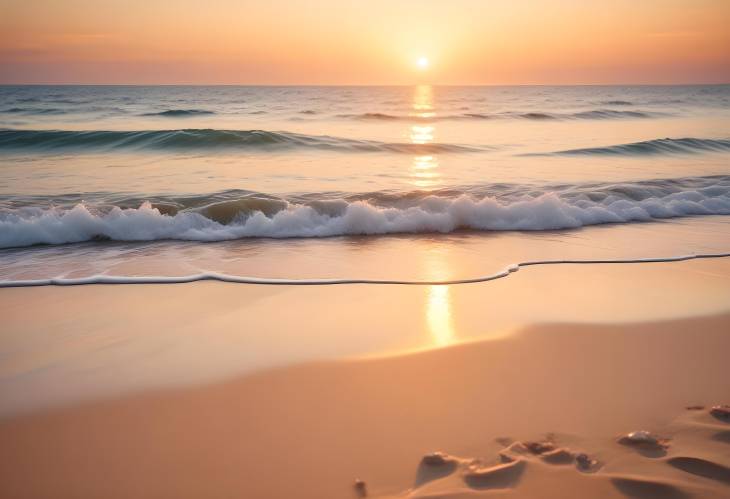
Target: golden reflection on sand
point(438, 315)
point(438, 304)
point(424, 169)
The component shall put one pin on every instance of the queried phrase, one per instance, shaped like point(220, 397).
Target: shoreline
point(233, 279)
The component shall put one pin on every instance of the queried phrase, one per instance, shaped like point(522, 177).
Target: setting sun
point(422, 62)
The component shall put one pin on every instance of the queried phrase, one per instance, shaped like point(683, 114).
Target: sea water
point(330, 182)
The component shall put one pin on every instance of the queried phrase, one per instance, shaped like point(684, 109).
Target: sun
point(422, 62)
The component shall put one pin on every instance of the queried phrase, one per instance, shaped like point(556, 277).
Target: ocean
point(292, 183)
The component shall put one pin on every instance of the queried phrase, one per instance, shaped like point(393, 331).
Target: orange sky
point(365, 42)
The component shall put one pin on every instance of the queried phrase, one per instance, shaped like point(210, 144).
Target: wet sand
point(65, 345)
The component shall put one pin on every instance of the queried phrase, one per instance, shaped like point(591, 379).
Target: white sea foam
point(432, 214)
point(212, 276)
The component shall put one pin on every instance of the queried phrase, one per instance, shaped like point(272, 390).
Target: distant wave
point(379, 116)
point(594, 114)
point(204, 139)
point(180, 113)
point(413, 118)
point(651, 147)
point(388, 117)
point(507, 208)
point(618, 103)
point(535, 116)
point(476, 116)
point(30, 110)
point(607, 114)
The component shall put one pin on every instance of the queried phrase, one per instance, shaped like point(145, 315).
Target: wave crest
point(258, 216)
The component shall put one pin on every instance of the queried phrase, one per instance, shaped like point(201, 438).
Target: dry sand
point(309, 431)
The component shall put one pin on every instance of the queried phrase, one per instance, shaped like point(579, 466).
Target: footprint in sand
point(434, 466)
point(647, 489)
point(558, 456)
point(701, 467)
point(551, 454)
point(500, 476)
point(476, 475)
point(721, 412)
point(645, 443)
point(584, 463)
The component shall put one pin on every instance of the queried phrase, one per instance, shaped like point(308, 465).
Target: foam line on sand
point(212, 276)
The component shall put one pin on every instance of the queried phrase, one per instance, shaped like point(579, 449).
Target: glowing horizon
point(381, 42)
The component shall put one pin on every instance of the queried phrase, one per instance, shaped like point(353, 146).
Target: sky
point(374, 42)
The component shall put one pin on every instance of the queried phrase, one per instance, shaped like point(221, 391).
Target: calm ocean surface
point(293, 182)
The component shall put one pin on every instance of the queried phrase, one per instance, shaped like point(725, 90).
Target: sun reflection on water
point(421, 134)
point(423, 102)
point(424, 169)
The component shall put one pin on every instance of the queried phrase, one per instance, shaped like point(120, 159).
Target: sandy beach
point(353, 250)
point(312, 429)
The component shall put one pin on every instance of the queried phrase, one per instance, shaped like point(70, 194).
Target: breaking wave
point(239, 215)
point(204, 139)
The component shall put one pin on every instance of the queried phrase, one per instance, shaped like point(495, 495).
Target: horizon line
point(705, 84)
